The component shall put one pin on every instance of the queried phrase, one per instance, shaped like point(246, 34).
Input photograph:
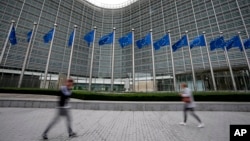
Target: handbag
point(186, 99)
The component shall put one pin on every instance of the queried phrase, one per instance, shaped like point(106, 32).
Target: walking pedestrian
point(63, 109)
point(189, 105)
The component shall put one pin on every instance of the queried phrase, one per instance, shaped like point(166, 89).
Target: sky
point(109, 1)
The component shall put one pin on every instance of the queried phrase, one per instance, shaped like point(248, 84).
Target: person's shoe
point(183, 123)
point(45, 137)
point(71, 135)
point(201, 125)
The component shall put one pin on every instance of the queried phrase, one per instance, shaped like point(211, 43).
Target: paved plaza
point(27, 124)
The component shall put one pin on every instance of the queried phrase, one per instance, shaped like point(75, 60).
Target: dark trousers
point(186, 109)
point(65, 112)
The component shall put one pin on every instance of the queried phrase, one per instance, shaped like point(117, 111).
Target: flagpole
point(92, 58)
point(230, 67)
point(26, 56)
point(153, 60)
point(113, 60)
point(191, 60)
point(133, 59)
point(238, 6)
point(6, 41)
point(71, 53)
point(244, 50)
point(47, 65)
point(209, 60)
point(172, 60)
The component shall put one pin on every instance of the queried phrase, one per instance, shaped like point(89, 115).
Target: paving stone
point(35, 104)
point(79, 105)
point(6, 103)
point(28, 104)
point(43, 104)
point(21, 103)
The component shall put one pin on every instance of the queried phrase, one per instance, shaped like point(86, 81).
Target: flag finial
point(75, 26)
point(133, 29)
point(221, 33)
point(169, 31)
point(114, 28)
point(204, 32)
point(239, 32)
point(95, 27)
point(12, 21)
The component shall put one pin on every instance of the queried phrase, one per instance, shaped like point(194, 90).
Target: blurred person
point(189, 105)
point(63, 109)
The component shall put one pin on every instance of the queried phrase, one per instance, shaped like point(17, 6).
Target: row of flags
point(146, 40)
point(46, 38)
point(165, 40)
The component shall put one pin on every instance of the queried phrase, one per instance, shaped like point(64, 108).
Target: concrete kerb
point(130, 106)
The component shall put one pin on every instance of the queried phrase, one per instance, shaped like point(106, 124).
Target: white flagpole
point(47, 65)
point(238, 6)
point(192, 66)
point(91, 63)
point(72, 50)
point(113, 61)
point(244, 50)
point(6, 41)
point(26, 56)
point(230, 67)
point(209, 60)
point(172, 59)
point(153, 60)
point(133, 58)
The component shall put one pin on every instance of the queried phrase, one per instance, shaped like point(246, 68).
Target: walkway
point(27, 124)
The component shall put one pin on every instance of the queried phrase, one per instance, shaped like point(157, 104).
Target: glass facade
point(195, 16)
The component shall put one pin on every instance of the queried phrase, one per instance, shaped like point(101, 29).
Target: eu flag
point(145, 41)
point(182, 42)
point(161, 42)
point(71, 38)
point(89, 37)
point(247, 44)
point(198, 41)
point(29, 36)
point(233, 42)
point(48, 36)
point(126, 40)
point(12, 36)
point(107, 39)
point(217, 43)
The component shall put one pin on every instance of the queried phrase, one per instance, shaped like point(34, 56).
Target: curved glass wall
point(178, 16)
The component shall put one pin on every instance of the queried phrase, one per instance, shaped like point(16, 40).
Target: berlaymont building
point(45, 41)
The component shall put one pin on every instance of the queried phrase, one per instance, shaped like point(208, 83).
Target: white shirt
point(188, 93)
